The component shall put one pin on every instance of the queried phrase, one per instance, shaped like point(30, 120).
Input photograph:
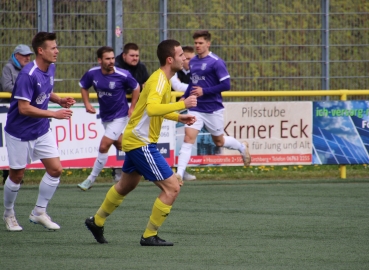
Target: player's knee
point(55, 172)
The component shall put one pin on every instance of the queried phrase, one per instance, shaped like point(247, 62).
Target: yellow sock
point(159, 214)
point(112, 200)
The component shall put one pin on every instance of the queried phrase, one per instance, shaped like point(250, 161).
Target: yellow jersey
point(144, 125)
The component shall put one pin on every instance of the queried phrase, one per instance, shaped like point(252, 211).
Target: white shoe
point(118, 174)
point(12, 224)
point(188, 177)
point(246, 157)
point(85, 185)
point(179, 178)
point(44, 220)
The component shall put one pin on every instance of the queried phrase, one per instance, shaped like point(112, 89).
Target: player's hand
point(90, 109)
point(197, 91)
point(63, 114)
point(130, 111)
point(186, 119)
point(190, 102)
point(67, 102)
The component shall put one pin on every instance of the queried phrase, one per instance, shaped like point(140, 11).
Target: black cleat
point(154, 241)
point(97, 232)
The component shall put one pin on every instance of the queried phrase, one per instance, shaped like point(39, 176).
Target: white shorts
point(213, 122)
point(21, 153)
point(115, 128)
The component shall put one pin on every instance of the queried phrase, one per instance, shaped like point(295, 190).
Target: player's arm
point(224, 85)
point(134, 99)
point(86, 101)
point(64, 102)
point(168, 110)
point(177, 85)
point(25, 108)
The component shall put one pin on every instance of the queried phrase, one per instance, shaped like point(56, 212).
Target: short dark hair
point(40, 38)
point(166, 49)
point(130, 46)
point(103, 50)
point(202, 33)
point(188, 49)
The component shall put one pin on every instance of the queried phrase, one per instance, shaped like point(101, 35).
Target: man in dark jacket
point(129, 59)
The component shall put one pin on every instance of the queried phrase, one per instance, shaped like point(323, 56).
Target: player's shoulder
point(29, 69)
point(94, 69)
point(214, 57)
point(121, 72)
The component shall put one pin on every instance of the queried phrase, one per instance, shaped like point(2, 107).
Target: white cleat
point(188, 177)
point(118, 174)
point(44, 220)
point(85, 185)
point(12, 224)
point(246, 157)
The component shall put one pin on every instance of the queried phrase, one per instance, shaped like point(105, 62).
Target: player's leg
point(191, 133)
point(17, 155)
point(117, 172)
point(113, 131)
point(46, 150)
point(161, 175)
point(114, 197)
point(214, 123)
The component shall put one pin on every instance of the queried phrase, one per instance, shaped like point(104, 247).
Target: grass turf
point(264, 224)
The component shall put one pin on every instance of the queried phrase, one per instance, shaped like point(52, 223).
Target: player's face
point(23, 59)
point(179, 57)
point(201, 46)
point(107, 62)
point(186, 63)
point(49, 51)
point(132, 57)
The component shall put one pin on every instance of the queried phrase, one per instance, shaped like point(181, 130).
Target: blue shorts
point(147, 161)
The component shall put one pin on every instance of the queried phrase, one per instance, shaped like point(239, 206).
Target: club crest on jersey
point(42, 97)
point(51, 80)
point(203, 66)
point(111, 85)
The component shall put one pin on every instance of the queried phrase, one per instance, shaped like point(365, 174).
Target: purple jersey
point(207, 72)
point(35, 86)
point(111, 91)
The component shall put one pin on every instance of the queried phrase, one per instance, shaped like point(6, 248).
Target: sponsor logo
point(51, 80)
point(95, 82)
point(164, 149)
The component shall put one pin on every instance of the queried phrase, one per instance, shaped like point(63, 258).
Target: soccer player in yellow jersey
point(139, 143)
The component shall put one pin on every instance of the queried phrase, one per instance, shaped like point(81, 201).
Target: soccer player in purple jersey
point(27, 131)
point(111, 85)
point(209, 78)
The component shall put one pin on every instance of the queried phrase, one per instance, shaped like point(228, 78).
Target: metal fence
point(267, 45)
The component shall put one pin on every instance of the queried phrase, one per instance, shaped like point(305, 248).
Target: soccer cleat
point(188, 177)
point(44, 220)
point(179, 178)
point(154, 241)
point(246, 157)
point(12, 224)
point(117, 175)
point(85, 185)
point(97, 232)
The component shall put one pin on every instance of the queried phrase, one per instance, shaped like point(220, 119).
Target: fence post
point(163, 29)
point(45, 14)
point(325, 45)
point(114, 25)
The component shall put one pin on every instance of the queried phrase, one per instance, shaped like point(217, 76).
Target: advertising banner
point(341, 132)
point(78, 140)
point(277, 132)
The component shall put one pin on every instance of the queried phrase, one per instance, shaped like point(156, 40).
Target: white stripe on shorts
point(151, 162)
